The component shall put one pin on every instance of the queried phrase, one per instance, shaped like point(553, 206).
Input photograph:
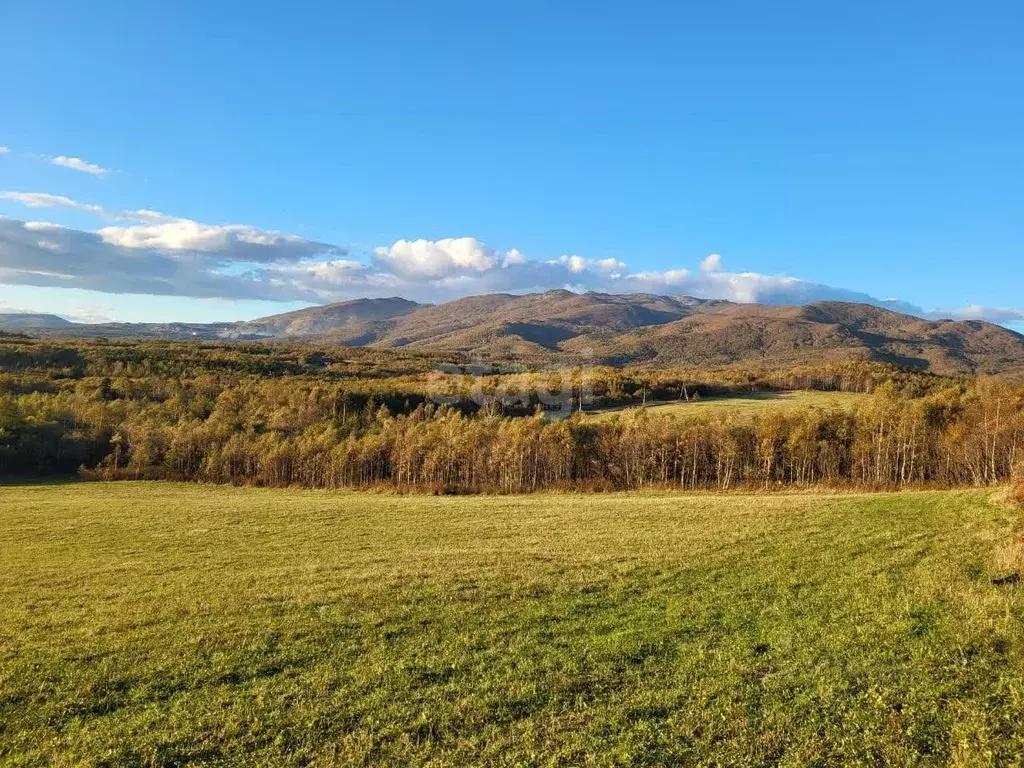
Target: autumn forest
point(293, 415)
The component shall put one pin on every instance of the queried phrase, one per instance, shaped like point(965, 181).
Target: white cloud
point(743, 287)
point(46, 200)
point(64, 161)
point(513, 257)
point(160, 232)
point(713, 263)
point(1001, 315)
point(92, 313)
point(78, 164)
point(676, 276)
point(609, 266)
point(232, 241)
point(148, 252)
point(42, 226)
point(435, 259)
point(577, 265)
point(146, 216)
point(175, 257)
point(671, 278)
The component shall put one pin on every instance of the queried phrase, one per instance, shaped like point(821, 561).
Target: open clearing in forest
point(751, 404)
point(170, 624)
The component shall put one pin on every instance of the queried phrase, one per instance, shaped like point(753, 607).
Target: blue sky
point(314, 151)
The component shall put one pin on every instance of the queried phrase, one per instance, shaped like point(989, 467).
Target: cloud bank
point(147, 252)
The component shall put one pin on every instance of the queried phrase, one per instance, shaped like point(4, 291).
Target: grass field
point(160, 624)
point(751, 404)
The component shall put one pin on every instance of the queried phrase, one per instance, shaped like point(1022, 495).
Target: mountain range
point(613, 329)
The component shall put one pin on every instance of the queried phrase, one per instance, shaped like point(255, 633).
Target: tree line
point(203, 423)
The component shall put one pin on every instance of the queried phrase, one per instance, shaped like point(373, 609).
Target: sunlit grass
point(750, 404)
point(162, 624)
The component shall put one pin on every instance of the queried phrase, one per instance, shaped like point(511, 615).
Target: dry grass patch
point(1016, 494)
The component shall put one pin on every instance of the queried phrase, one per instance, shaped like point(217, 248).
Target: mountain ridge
point(619, 329)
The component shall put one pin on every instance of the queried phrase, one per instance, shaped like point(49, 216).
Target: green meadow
point(148, 624)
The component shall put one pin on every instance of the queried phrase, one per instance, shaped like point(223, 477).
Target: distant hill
point(353, 315)
point(614, 329)
point(10, 321)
